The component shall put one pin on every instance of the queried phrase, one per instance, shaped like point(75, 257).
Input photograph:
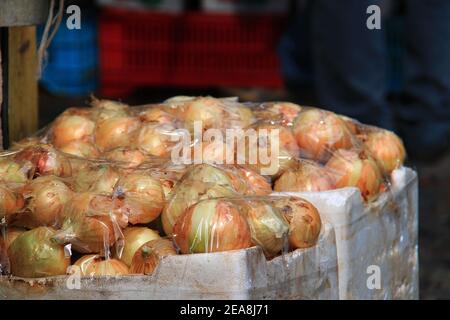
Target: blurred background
point(312, 52)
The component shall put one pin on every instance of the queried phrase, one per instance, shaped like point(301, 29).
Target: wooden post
point(22, 82)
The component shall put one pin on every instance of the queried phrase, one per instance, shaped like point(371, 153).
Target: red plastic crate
point(194, 49)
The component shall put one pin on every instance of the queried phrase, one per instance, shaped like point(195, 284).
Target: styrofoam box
point(376, 242)
point(246, 6)
point(242, 274)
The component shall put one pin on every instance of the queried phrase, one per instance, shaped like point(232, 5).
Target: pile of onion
point(319, 133)
point(10, 204)
point(308, 176)
point(185, 194)
point(142, 197)
point(45, 198)
point(356, 169)
point(95, 265)
point(148, 256)
point(91, 223)
point(73, 125)
point(133, 239)
point(45, 160)
point(34, 254)
point(212, 225)
point(116, 132)
point(268, 227)
point(304, 221)
point(386, 148)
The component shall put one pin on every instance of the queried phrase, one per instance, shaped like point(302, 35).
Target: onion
point(319, 133)
point(155, 140)
point(10, 204)
point(134, 238)
point(210, 226)
point(307, 177)
point(45, 197)
point(353, 125)
point(71, 127)
point(245, 115)
point(268, 227)
point(11, 233)
point(148, 256)
point(356, 169)
point(101, 179)
point(115, 132)
point(208, 110)
point(185, 194)
point(287, 139)
point(34, 254)
point(304, 221)
point(14, 172)
point(91, 223)
point(127, 157)
point(167, 186)
point(157, 115)
point(46, 160)
point(386, 148)
point(80, 148)
point(211, 174)
point(143, 197)
point(95, 265)
point(108, 104)
point(284, 111)
point(255, 184)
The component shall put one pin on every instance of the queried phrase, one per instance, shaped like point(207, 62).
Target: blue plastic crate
point(72, 64)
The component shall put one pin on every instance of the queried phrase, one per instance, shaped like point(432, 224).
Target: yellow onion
point(45, 160)
point(95, 265)
point(157, 115)
point(115, 132)
point(10, 204)
point(268, 227)
point(285, 112)
point(255, 184)
point(100, 179)
point(353, 125)
point(356, 169)
point(34, 254)
point(307, 177)
point(100, 105)
point(208, 110)
point(245, 115)
point(126, 156)
point(15, 172)
point(212, 225)
point(148, 256)
point(304, 221)
point(185, 194)
point(155, 140)
point(10, 234)
point(80, 148)
point(386, 148)
point(319, 133)
point(210, 174)
point(45, 198)
point(134, 238)
point(167, 186)
point(143, 197)
point(91, 223)
point(286, 137)
point(71, 127)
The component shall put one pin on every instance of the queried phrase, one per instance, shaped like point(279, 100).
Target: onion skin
point(134, 238)
point(45, 198)
point(11, 233)
point(34, 254)
point(148, 256)
point(71, 127)
point(80, 148)
point(268, 227)
point(108, 104)
point(115, 132)
point(304, 221)
point(91, 223)
point(255, 184)
point(156, 115)
point(307, 177)
point(45, 160)
point(14, 172)
point(95, 266)
point(287, 139)
point(319, 133)
point(155, 140)
point(10, 204)
point(212, 226)
point(208, 110)
point(285, 112)
point(143, 197)
point(127, 157)
point(100, 179)
point(386, 148)
point(356, 169)
point(185, 194)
